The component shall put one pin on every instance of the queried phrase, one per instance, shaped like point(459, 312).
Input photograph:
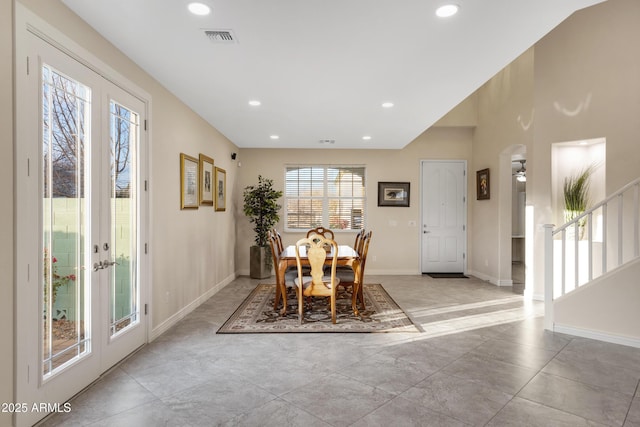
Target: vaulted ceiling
point(321, 69)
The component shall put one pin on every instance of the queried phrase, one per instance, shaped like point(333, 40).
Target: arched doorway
point(511, 211)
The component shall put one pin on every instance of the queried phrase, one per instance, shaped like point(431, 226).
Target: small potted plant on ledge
point(261, 207)
point(576, 197)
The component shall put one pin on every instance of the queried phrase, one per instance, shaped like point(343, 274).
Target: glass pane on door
point(124, 130)
point(65, 294)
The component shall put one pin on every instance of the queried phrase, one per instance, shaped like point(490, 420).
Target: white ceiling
point(322, 68)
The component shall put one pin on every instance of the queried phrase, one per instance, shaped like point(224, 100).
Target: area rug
point(447, 275)
point(256, 314)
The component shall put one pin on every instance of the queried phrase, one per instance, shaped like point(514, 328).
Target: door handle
point(103, 264)
point(107, 263)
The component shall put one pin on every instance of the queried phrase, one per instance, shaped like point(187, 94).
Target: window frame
point(325, 197)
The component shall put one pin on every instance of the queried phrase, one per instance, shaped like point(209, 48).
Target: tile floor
point(483, 359)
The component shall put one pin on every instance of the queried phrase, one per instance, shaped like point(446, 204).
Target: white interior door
point(444, 214)
point(80, 213)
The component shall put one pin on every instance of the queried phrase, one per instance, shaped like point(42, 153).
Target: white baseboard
point(595, 335)
point(505, 282)
point(167, 324)
point(537, 297)
point(486, 278)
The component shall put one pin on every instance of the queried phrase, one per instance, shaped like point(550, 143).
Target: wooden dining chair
point(357, 245)
point(324, 232)
point(316, 283)
point(358, 241)
point(278, 237)
point(347, 275)
point(281, 285)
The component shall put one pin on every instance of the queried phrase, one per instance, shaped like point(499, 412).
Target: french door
point(444, 214)
point(81, 213)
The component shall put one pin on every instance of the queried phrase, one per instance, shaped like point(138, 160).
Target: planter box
point(260, 262)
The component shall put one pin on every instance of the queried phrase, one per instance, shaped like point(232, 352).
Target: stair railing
point(617, 217)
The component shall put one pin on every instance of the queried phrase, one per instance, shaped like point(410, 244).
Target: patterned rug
point(256, 314)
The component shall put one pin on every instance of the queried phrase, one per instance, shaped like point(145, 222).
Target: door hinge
point(464, 255)
point(146, 309)
point(464, 199)
point(464, 228)
point(27, 65)
point(28, 167)
point(146, 248)
point(145, 124)
point(146, 185)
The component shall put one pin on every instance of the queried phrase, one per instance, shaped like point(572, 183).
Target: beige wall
point(588, 61)
point(505, 117)
point(587, 86)
point(579, 82)
point(608, 307)
point(6, 208)
point(389, 224)
point(191, 251)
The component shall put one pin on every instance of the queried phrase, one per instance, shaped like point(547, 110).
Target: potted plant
point(576, 196)
point(261, 207)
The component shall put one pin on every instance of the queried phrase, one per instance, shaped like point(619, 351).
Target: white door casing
point(444, 213)
point(106, 336)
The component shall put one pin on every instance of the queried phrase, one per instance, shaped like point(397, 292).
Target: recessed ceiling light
point(254, 103)
point(366, 137)
point(447, 10)
point(387, 104)
point(274, 137)
point(199, 9)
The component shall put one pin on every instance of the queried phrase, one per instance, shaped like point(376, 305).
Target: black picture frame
point(483, 185)
point(396, 194)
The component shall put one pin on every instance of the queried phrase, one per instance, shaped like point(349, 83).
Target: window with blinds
point(328, 196)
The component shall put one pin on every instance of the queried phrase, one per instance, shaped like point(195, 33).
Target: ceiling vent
point(221, 36)
point(327, 141)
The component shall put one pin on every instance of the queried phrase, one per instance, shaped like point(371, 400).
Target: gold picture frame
point(188, 182)
point(207, 175)
point(221, 189)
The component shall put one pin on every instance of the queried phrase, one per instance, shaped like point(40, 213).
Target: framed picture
point(221, 189)
point(483, 185)
point(188, 182)
point(206, 180)
point(393, 193)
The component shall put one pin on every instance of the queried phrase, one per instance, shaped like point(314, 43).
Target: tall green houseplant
point(261, 207)
point(576, 195)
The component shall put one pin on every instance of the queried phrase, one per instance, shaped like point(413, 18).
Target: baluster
point(576, 257)
point(636, 216)
point(604, 238)
point(620, 216)
point(590, 245)
point(564, 261)
point(548, 276)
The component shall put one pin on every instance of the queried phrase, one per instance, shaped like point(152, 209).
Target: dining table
point(347, 256)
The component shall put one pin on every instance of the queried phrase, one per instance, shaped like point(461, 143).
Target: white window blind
point(328, 196)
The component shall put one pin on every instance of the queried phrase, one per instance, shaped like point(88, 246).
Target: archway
point(506, 215)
